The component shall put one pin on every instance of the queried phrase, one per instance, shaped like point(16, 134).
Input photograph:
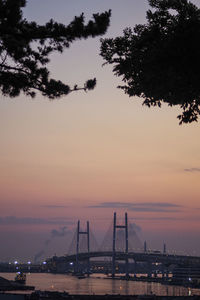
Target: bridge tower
point(125, 227)
point(79, 232)
point(145, 246)
point(164, 249)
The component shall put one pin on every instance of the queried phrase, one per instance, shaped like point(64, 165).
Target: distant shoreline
point(39, 295)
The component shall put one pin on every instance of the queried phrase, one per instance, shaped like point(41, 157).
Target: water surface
point(100, 285)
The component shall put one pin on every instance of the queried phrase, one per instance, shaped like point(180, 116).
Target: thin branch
point(14, 68)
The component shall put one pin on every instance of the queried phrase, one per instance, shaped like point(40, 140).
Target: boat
point(20, 278)
point(81, 276)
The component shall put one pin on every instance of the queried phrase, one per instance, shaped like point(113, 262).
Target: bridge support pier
point(165, 272)
point(149, 270)
point(125, 227)
point(135, 268)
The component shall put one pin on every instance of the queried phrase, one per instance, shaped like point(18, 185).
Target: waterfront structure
point(150, 261)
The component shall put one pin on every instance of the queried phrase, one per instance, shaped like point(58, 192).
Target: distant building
point(186, 274)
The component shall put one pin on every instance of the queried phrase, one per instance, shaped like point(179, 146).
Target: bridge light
point(71, 263)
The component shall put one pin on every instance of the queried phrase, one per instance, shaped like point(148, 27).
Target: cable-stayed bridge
point(81, 239)
point(121, 243)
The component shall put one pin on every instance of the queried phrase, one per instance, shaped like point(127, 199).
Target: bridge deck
point(137, 256)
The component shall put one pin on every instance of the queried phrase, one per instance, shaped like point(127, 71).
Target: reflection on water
point(100, 285)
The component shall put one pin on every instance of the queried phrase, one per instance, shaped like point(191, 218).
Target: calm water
point(94, 285)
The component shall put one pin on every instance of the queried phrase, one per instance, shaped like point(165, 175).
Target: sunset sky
point(90, 154)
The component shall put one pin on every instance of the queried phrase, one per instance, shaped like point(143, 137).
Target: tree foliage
point(160, 60)
point(25, 48)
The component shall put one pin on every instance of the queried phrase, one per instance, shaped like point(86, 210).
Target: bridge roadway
point(152, 257)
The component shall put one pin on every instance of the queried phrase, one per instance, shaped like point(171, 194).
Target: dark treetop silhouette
point(25, 48)
point(160, 61)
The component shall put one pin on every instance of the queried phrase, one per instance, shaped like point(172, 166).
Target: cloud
point(38, 255)
point(47, 242)
point(13, 220)
point(157, 218)
point(173, 218)
point(152, 209)
point(59, 233)
point(160, 204)
point(192, 170)
point(141, 207)
point(111, 205)
point(55, 233)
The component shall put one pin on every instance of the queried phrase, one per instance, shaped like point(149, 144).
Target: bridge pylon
point(79, 232)
point(115, 227)
point(145, 246)
point(164, 249)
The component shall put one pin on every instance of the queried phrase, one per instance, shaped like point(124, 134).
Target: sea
point(100, 285)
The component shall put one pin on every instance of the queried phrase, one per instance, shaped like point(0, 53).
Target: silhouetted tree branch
point(160, 61)
point(25, 48)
